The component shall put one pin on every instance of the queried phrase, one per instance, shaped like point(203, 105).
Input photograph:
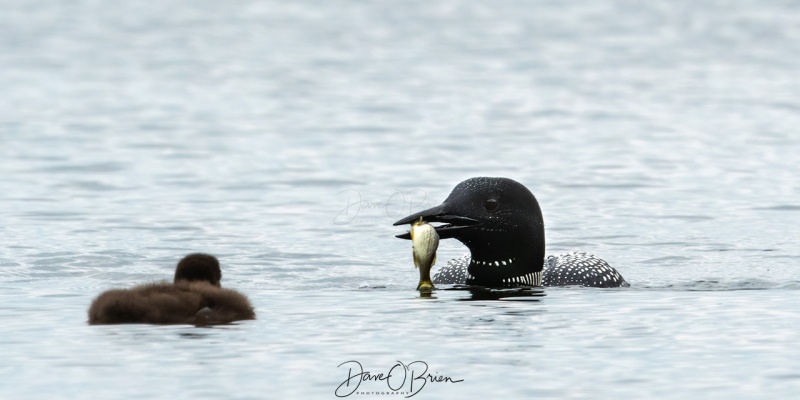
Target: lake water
point(285, 138)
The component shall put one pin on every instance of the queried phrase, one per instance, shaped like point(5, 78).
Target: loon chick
point(195, 297)
point(500, 221)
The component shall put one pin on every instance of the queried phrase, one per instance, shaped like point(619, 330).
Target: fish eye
point(490, 204)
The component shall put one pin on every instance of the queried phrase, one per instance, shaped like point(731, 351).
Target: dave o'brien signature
point(397, 205)
point(395, 378)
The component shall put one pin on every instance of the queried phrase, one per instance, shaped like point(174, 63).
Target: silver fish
point(424, 242)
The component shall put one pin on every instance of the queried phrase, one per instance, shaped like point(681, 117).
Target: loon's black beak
point(454, 222)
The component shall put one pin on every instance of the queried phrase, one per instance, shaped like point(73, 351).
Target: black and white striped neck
point(506, 272)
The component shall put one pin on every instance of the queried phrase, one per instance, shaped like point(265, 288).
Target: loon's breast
point(578, 269)
point(455, 272)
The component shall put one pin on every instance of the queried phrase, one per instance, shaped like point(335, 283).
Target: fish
point(424, 243)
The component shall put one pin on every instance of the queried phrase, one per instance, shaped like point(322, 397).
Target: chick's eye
point(490, 204)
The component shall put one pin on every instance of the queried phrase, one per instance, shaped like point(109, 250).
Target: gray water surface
point(286, 138)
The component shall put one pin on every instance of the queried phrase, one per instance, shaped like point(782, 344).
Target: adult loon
point(500, 221)
point(195, 297)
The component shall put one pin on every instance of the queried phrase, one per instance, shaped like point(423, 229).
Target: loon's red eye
point(490, 204)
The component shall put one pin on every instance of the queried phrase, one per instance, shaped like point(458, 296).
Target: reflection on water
point(529, 293)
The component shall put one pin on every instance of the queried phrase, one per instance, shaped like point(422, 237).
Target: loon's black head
point(499, 220)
